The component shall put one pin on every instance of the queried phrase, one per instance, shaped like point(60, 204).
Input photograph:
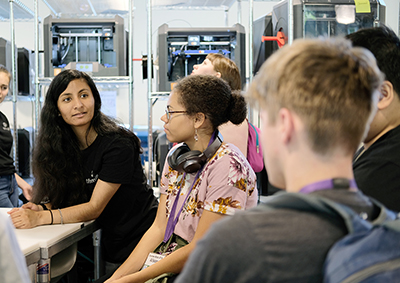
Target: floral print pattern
point(227, 183)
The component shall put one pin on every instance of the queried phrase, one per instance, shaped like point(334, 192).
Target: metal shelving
point(87, 8)
point(92, 9)
point(222, 5)
point(18, 11)
point(14, 10)
point(193, 4)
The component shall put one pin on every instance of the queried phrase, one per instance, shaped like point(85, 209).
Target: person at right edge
point(316, 99)
point(376, 164)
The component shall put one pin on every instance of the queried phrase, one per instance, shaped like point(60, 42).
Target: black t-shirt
point(377, 170)
point(132, 209)
point(6, 142)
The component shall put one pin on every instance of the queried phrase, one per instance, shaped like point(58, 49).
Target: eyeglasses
point(172, 112)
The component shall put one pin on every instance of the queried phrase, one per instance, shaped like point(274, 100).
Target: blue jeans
point(8, 191)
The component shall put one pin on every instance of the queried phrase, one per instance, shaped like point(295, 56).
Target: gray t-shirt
point(270, 246)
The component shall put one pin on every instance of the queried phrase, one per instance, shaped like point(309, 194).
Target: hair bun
point(237, 109)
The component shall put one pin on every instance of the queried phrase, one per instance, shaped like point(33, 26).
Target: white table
point(43, 242)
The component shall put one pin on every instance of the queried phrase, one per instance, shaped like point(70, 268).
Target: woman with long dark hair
point(87, 167)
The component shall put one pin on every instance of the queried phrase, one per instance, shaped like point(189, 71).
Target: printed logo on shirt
point(5, 127)
point(92, 179)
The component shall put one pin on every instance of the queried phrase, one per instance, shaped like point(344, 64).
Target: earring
point(196, 136)
point(59, 114)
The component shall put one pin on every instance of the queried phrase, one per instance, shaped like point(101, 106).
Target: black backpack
point(370, 252)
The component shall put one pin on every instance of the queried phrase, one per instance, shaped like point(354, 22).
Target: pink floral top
point(227, 183)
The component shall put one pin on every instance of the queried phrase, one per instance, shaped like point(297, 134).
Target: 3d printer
point(179, 49)
point(311, 18)
point(94, 45)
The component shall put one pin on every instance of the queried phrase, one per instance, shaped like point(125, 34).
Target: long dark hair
point(57, 165)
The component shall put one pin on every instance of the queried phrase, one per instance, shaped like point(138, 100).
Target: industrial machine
point(26, 71)
point(313, 18)
point(179, 49)
point(25, 67)
point(5, 53)
point(262, 49)
point(95, 45)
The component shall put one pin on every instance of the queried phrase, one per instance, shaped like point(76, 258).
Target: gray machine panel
point(313, 18)
point(6, 58)
point(179, 49)
point(26, 72)
point(5, 53)
point(94, 45)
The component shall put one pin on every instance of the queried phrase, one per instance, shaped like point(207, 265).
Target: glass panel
point(328, 20)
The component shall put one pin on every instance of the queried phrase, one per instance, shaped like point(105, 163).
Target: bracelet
point(51, 213)
point(44, 206)
point(61, 217)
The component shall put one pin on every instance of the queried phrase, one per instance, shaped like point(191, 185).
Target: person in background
point(12, 261)
point(376, 164)
point(222, 67)
point(87, 167)
point(203, 178)
point(313, 120)
point(9, 179)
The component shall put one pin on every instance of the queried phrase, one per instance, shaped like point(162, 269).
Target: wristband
point(51, 213)
point(61, 217)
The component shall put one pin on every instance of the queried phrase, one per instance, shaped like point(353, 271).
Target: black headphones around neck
point(182, 159)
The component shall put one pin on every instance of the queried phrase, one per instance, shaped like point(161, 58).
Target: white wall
point(24, 34)
point(392, 14)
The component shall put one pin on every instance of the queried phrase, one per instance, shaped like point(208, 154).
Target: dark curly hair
point(213, 97)
point(57, 163)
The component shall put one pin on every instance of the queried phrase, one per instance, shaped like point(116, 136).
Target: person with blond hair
point(317, 98)
point(216, 64)
point(222, 67)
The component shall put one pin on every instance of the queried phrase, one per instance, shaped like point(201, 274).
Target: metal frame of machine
point(69, 44)
point(179, 49)
point(320, 16)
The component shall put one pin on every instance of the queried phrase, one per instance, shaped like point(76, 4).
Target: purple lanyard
point(337, 183)
point(172, 220)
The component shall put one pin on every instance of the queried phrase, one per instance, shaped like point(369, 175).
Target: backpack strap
point(255, 130)
point(331, 209)
point(392, 225)
point(384, 214)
